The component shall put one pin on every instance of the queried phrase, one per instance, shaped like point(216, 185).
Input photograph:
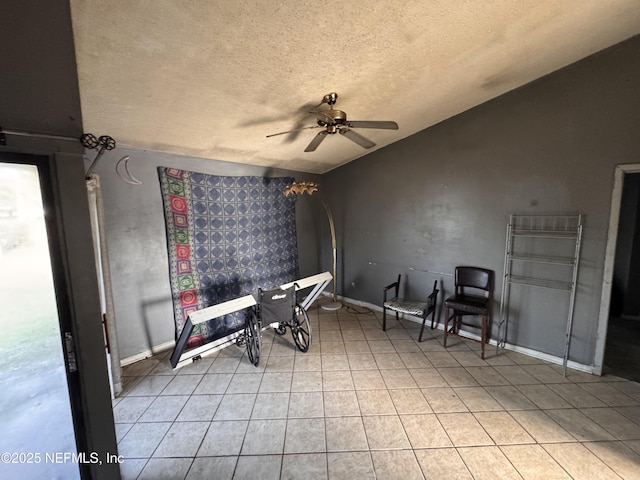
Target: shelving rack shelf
point(562, 273)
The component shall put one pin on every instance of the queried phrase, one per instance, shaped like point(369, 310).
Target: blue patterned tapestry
point(226, 237)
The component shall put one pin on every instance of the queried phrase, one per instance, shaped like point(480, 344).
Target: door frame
point(65, 203)
point(609, 262)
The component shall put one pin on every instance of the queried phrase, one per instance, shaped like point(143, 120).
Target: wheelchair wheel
point(301, 329)
point(281, 329)
point(252, 338)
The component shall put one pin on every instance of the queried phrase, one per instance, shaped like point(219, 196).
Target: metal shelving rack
point(557, 230)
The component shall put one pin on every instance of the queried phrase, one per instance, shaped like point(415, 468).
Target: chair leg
point(384, 319)
point(446, 325)
point(483, 338)
point(433, 317)
point(424, 320)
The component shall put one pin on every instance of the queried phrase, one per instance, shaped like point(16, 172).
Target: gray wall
point(39, 93)
point(442, 197)
point(137, 246)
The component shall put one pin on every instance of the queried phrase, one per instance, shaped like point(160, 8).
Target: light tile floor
point(364, 404)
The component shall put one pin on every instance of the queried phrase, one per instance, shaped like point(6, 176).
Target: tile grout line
point(611, 404)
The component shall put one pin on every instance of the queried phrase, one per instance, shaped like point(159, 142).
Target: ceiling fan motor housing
point(332, 117)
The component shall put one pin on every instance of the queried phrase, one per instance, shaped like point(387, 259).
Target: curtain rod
point(23, 133)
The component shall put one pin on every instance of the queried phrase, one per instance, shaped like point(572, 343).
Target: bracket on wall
point(179, 358)
point(101, 144)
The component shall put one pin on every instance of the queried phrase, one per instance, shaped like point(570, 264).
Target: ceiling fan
point(335, 121)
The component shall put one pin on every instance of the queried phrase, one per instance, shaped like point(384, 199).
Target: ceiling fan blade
point(317, 140)
point(323, 116)
point(357, 138)
point(388, 125)
point(294, 130)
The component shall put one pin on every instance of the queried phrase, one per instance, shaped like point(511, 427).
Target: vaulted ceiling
point(213, 78)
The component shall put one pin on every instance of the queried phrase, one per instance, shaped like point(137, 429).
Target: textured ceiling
point(212, 78)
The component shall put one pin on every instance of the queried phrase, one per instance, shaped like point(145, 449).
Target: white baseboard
point(163, 347)
point(514, 348)
point(550, 358)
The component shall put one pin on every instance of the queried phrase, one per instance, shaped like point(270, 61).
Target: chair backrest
point(473, 277)
point(277, 305)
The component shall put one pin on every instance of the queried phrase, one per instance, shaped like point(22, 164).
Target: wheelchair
point(279, 307)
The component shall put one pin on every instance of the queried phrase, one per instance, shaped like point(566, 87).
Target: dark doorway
point(622, 351)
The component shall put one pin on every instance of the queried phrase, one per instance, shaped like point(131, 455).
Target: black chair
point(410, 307)
point(462, 303)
